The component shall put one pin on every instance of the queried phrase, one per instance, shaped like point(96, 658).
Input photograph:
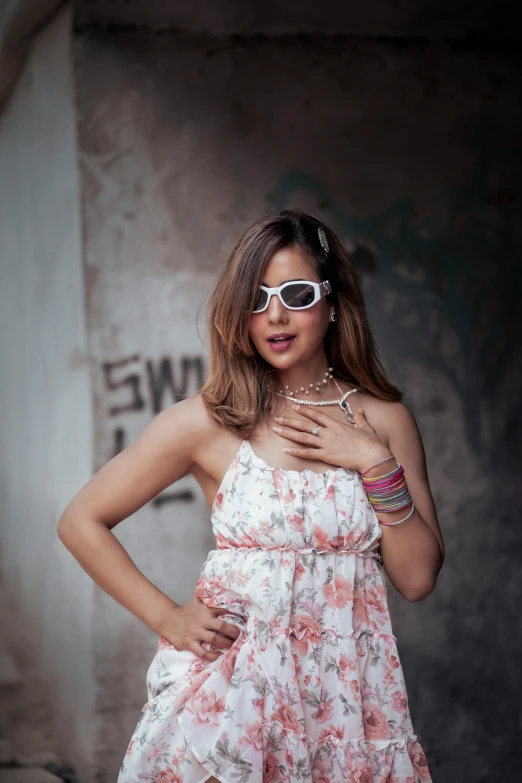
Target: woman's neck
point(308, 378)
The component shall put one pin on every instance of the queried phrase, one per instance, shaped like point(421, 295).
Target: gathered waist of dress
point(300, 550)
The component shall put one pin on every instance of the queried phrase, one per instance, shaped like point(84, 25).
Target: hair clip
point(323, 240)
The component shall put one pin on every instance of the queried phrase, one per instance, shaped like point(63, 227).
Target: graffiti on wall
point(135, 385)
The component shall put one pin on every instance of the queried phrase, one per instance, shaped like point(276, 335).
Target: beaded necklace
point(327, 375)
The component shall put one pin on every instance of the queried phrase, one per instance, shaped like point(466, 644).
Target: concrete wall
point(46, 411)
point(415, 154)
point(145, 285)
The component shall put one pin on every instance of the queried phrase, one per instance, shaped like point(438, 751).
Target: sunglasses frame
point(321, 289)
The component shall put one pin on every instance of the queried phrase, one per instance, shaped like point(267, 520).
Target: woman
point(283, 665)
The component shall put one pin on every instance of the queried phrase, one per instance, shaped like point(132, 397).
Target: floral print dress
point(312, 690)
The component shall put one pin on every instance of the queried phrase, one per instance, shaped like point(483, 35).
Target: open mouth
point(281, 342)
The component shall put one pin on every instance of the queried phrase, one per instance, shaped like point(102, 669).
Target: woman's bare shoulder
point(192, 418)
point(380, 407)
point(386, 416)
point(202, 436)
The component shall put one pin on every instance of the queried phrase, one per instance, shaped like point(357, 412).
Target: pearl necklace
point(342, 402)
point(327, 375)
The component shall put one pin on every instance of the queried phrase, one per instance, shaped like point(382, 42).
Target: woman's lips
point(281, 345)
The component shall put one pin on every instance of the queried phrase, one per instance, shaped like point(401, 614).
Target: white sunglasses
point(297, 295)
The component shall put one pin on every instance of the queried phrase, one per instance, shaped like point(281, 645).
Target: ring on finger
point(315, 430)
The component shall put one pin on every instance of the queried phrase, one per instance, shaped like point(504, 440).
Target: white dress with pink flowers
point(312, 691)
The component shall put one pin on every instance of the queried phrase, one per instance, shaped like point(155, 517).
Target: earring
point(333, 316)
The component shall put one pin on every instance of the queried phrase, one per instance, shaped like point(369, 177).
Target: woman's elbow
point(68, 524)
point(417, 592)
point(64, 527)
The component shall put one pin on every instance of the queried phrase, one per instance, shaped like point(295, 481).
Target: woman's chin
point(281, 361)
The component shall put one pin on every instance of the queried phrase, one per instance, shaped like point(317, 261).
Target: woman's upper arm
point(405, 443)
point(161, 455)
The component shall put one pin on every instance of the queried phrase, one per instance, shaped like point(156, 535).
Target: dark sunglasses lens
point(298, 295)
point(261, 300)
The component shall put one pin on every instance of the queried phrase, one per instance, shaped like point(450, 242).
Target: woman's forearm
point(411, 555)
point(102, 556)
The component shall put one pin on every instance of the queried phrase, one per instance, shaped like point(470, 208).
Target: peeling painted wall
point(45, 413)
point(415, 154)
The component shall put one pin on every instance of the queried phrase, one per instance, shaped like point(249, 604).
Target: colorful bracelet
point(399, 520)
point(389, 492)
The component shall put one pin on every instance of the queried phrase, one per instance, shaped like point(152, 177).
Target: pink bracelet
point(399, 520)
point(377, 463)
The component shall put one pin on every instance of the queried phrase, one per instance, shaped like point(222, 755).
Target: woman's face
point(305, 329)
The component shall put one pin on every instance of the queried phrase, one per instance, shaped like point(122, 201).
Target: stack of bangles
point(389, 492)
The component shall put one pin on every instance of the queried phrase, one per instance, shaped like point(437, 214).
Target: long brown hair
point(236, 390)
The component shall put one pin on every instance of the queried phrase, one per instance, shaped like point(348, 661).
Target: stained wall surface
point(46, 411)
point(414, 153)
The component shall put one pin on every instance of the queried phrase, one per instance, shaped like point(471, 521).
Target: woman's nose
point(276, 310)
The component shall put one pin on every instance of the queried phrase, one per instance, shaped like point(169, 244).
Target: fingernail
point(278, 418)
point(277, 429)
point(361, 410)
point(288, 450)
point(296, 407)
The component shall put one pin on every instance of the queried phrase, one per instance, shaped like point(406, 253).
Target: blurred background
point(137, 140)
